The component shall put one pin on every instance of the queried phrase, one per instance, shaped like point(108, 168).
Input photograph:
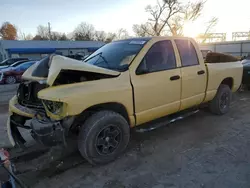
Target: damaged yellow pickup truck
point(136, 82)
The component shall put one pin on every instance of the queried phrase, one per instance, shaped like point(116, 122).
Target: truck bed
point(217, 72)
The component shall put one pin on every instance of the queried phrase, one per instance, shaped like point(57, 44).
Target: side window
point(25, 66)
point(11, 61)
point(187, 52)
point(160, 57)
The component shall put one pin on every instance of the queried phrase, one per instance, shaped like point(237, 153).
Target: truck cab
point(122, 85)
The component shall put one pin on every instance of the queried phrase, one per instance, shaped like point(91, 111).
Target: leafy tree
point(8, 31)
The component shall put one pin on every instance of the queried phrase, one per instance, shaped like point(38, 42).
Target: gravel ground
point(203, 150)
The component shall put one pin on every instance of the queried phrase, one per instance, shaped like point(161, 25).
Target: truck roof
point(155, 37)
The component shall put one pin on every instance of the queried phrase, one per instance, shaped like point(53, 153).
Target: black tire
point(93, 140)
point(221, 102)
point(10, 80)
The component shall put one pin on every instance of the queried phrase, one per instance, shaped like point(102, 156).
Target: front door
point(193, 73)
point(156, 83)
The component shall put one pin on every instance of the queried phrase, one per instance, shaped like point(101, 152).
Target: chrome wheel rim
point(10, 80)
point(224, 100)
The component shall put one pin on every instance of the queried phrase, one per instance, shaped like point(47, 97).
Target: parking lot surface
point(7, 92)
point(203, 150)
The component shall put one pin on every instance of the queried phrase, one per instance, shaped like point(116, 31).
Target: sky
point(110, 15)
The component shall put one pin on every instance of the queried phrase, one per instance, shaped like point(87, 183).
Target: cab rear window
point(187, 52)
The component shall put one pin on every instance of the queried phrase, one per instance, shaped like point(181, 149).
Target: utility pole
point(49, 30)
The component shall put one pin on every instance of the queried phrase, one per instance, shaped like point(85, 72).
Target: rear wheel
point(103, 137)
point(221, 102)
point(10, 80)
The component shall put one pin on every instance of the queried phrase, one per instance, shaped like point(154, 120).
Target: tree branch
point(170, 14)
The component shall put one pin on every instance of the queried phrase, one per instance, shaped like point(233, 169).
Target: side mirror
point(142, 69)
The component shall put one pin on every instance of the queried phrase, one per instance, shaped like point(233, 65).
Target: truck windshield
point(116, 55)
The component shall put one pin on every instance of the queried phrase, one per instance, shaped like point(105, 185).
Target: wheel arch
point(112, 106)
point(228, 81)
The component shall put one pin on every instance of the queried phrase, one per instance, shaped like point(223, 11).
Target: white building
point(34, 49)
point(235, 48)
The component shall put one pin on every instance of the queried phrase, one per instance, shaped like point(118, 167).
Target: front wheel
point(103, 137)
point(10, 80)
point(221, 102)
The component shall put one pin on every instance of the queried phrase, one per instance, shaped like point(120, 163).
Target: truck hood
point(57, 63)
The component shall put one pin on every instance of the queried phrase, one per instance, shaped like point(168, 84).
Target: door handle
point(201, 72)
point(176, 77)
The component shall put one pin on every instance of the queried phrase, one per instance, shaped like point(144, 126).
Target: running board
point(155, 124)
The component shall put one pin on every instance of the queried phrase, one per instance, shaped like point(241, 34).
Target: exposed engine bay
point(28, 90)
point(27, 94)
point(74, 76)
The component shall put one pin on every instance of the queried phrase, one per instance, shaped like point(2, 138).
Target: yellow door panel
point(156, 95)
point(193, 86)
point(156, 82)
point(157, 112)
point(191, 101)
point(193, 74)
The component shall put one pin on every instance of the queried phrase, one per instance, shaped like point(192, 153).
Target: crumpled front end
point(38, 105)
point(44, 130)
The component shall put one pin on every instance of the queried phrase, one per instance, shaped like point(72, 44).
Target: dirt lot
point(201, 151)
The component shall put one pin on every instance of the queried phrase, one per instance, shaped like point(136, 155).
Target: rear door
point(156, 83)
point(193, 73)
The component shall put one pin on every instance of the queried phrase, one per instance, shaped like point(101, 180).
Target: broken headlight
point(53, 106)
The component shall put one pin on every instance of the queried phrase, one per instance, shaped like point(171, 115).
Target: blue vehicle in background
point(10, 61)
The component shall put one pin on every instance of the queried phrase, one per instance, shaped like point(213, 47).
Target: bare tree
point(43, 32)
point(122, 34)
point(58, 36)
point(210, 26)
point(38, 37)
point(63, 37)
point(28, 37)
point(23, 36)
point(143, 30)
point(110, 37)
point(100, 36)
point(168, 17)
point(84, 31)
